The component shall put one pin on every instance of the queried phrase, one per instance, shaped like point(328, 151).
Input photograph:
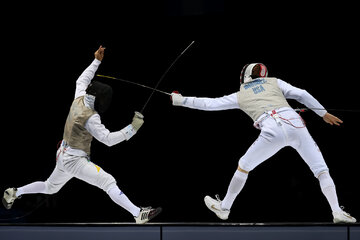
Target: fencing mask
point(102, 93)
point(252, 71)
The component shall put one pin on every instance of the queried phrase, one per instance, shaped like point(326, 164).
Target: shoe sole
point(343, 221)
point(6, 204)
point(155, 213)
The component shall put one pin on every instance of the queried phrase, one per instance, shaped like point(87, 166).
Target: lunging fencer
point(73, 156)
point(263, 98)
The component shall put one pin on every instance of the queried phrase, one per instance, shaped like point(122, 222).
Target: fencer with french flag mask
point(73, 156)
point(263, 98)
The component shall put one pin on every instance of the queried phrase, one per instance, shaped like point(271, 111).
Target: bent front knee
point(51, 188)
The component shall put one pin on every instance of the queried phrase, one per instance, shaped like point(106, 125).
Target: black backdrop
point(179, 155)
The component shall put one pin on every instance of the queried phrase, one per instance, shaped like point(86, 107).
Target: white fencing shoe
point(9, 197)
point(146, 214)
point(215, 206)
point(343, 217)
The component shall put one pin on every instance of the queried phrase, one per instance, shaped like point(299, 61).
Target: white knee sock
point(35, 187)
point(236, 184)
point(328, 188)
point(122, 200)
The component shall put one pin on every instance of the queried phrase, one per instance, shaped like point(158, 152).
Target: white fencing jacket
point(231, 101)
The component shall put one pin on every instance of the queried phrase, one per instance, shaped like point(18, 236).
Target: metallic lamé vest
point(75, 134)
point(259, 96)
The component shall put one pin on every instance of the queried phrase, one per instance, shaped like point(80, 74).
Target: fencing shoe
point(146, 214)
point(9, 197)
point(215, 206)
point(343, 217)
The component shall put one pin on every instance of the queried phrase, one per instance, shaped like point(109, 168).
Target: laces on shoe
point(219, 200)
point(218, 197)
point(342, 209)
point(146, 208)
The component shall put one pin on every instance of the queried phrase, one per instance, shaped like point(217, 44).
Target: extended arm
point(302, 96)
point(207, 104)
point(85, 78)
point(309, 101)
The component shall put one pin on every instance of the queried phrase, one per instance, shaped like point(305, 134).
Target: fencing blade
point(134, 83)
point(164, 74)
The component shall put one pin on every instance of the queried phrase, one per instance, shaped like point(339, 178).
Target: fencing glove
point(177, 98)
point(137, 121)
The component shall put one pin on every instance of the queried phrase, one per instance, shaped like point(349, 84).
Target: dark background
point(179, 155)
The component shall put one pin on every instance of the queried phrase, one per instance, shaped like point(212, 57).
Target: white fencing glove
point(137, 121)
point(131, 129)
point(177, 98)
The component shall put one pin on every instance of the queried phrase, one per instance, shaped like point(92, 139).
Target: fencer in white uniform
point(73, 156)
point(264, 100)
